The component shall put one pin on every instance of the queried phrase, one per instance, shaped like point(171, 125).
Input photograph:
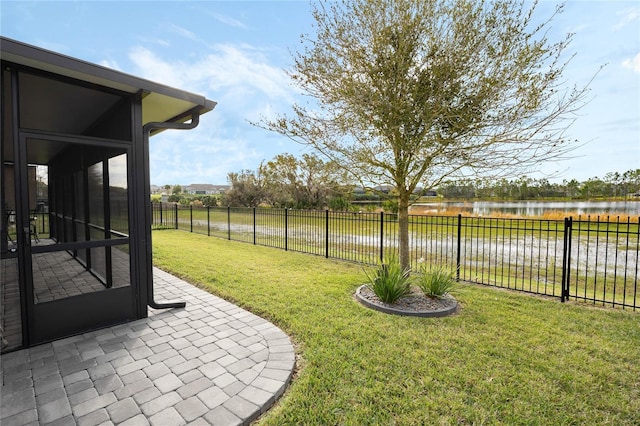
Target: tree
point(288, 182)
point(613, 179)
point(305, 183)
point(572, 188)
point(457, 189)
point(631, 181)
point(247, 188)
point(282, 185)
point(176, 190)
point(593, 187)
point(408, 92)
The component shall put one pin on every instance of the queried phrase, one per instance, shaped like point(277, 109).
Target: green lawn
point(506, 358)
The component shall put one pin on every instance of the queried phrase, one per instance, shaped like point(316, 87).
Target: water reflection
point(531, 208)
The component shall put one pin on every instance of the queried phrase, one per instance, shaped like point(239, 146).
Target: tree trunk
point(403, 229)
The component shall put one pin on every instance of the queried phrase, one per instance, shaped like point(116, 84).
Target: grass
point(506, 358)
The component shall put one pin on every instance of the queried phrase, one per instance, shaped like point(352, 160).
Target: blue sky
point(235, 52)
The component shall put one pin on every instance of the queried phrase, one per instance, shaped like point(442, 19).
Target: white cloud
point(632, 63)
point(154, 40)
point(203, 155)
point(110, 63)
point(246, 84)
point(227, 20)
point(150, 66)
point(183, 32)
point(628, 16)
point(236, 71)
point(243, 69)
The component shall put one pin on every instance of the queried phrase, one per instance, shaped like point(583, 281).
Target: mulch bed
point(415, 304)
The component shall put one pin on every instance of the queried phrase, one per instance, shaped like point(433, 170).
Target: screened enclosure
point(75, 233)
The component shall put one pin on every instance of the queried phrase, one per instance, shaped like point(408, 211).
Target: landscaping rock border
point(416, 304)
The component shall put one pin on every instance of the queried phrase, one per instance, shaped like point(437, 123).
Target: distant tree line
point(311, 183)
point(525, 188)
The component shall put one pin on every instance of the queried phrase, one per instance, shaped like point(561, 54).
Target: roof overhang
point(160, 103)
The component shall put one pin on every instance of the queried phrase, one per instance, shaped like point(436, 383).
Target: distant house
point(205, 189)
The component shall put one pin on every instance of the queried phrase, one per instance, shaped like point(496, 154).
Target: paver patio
point(211, 363)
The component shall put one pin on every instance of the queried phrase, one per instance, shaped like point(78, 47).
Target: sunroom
point(75, 232)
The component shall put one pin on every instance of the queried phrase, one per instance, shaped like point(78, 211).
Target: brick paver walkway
point(211, 363)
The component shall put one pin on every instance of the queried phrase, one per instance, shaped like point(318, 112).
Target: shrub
point(437, 281)
point(210, 200)
point(389, 281)
point(390, 206)
point(339, 203)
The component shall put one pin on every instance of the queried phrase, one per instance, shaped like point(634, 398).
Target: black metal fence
point(587, 259)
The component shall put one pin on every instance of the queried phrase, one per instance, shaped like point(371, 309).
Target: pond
point(531, 208)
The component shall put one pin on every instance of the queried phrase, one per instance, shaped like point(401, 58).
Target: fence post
point(459, 247)
point(254, 226)
point(208, 221)
point(191, 217)
point(175, 209)
point(381, 236)
point(566, 258)
point(286, 229)
point(570, 239)
point(161, 222)
point(326, 234)
point(229, 222)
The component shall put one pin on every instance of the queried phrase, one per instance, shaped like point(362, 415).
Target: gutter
point(147, 129)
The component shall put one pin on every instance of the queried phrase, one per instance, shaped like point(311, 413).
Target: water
point(532, 208)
